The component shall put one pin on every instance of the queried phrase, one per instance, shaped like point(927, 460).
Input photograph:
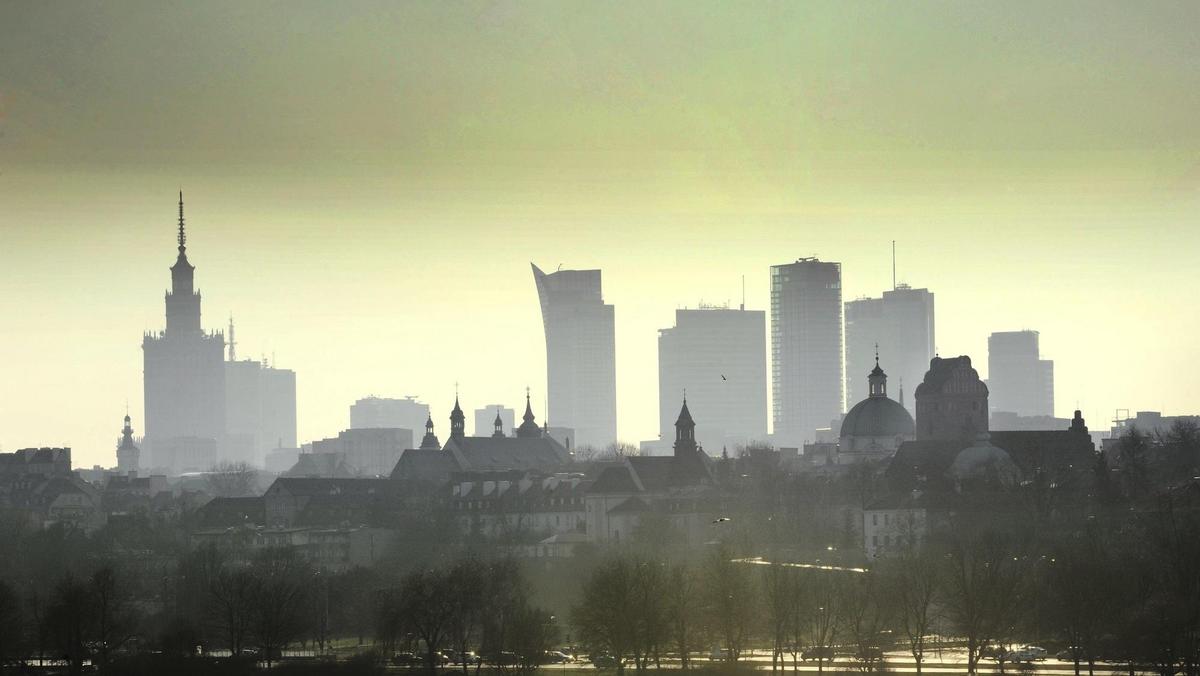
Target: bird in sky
point(722, 519)
point(723, 377)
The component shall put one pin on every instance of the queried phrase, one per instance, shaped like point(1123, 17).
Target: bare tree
point(232, 593)
point(427, 603)
point(866, 614)
point(983, 575)
point(68, 618)
point(232, 480)
point(607, 616)
point(731, 600)
point(821, 616)
point(914, 583)
point(115, 620)
point(683, 610)
point(278, 600)
point(778, 594)
point(11, 628)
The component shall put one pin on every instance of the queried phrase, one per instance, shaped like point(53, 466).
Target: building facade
point(260, 411)
point(900, 324)
point(806, 348)
point(581, 370)
point(406, 413)
point(718, 357)
point(184, 371)
point(1019, 380)
point(952, 402)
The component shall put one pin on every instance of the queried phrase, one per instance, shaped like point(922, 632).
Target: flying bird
point(722, 519)
point(723, 377)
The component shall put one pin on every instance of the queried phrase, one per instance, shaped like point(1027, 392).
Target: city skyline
point(351, 233)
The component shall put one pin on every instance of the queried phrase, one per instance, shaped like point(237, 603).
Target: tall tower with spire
point(685, 432)
point(128, 455)
point(458, 421)
point(184, 377)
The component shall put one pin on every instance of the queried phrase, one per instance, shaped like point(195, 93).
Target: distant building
point(511, 503)
point(281, 459)
point(184, 372)
point(876, 426)
point(128, 455)
point(36, 461)
point(530, 449)
point(952, 402)
point(367, 452)
point(487, 417)
point(901, 325)
point(406, 413)
point(1019, 380)
point(806, 348)
point(260, 410)
point(581, 371)
point(718, 357)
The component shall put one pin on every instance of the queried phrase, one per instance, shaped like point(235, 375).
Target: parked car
point(605, 661)
point(407, 660)
point(455, 657)
point(1069, 654)
point(555, 657)
point(817, 653)
point(505, 658)
point(1028, 653)
point(719, 654)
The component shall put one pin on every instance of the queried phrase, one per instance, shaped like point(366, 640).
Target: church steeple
point(528, 428)
point(498, 425)
point(877, 379)
point(128, 455)
point(183, 303)
point(430, 441)
point(458, 421)
point(685, 431)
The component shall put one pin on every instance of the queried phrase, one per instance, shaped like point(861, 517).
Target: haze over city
point(367, 188)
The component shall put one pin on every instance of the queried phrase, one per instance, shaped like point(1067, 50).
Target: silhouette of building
point(184, 376)
point(901, 324)
point(680, 489)
point(806, 348)
point(530, 449)
point(718, 356)
point(876, 426)
point(487, 417)
point(581, 369)
point(952, 402)
point(367, 452)
point(1019, 380)
point(406, 413)
point(260, 410)
point(128, 455)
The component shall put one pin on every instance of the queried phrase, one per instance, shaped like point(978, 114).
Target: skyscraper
point(901, 324)
point(581, 370)
point(184, 376)
point(406, 413)
point(260, 410)
point(1019, 380)
point(806, 348)
point(719, 357)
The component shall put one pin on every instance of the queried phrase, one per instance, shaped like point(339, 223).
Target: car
point(505, 658)
point(871, 653)
point(455, 657)
point(555, 657)
point(407, 660)
point(1028, 653)
point(605, 661)
point(1070, 654)
point(824, 653)
point(719, 654)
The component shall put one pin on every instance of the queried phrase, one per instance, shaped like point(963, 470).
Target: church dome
point(877, 417)
point(983, 460)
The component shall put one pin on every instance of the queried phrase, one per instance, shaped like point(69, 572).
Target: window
point(874, 519)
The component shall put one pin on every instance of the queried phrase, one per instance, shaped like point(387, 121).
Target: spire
point(901, 390)
point(685, 431)
point(877, 379)
point(458, 421)
point(182, 233)
point(430, 441)
point(528, 428)
point(232, 341)
point(498, 424)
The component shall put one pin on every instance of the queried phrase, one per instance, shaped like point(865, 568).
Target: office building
point(486, 419)
point(718, 356)
point(806, 348)
point(1019, 380)
point(380, 412)
point(901, 324)
point(581, 370)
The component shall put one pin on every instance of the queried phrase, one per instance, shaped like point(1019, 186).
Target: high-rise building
point(184, 374)
point(486, 417)
point(1019, 380)
point(581, 370)
point(900, 323)
point(719, 357)
point(379, 412)
point(806, 348)
point(260, 410)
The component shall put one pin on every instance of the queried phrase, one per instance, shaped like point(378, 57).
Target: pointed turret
point(877, 379)
point(685, 431)
point(128, 454)
point(458, 421)
point(183, 303)
point(529, 428)
point(498, 425)
point(430, 441)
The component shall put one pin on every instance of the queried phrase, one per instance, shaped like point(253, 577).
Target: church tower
point(430, 441)
point(528, 428)
point(685, 432)
point(458, 421)
point(128, 455)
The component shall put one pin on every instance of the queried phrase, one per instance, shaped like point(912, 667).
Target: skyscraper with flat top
point(184, 375)
point(900, 325)
point(806, 348)
point(581, 371)
point(718, 356)
point(1019, 380)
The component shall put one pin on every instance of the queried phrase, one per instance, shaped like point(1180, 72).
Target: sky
point(367, 183)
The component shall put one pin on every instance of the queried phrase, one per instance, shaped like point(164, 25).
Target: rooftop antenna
point(232, 341)
point(743, 305)
point(893, 265)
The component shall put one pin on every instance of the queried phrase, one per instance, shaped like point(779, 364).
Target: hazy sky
point(367, 183)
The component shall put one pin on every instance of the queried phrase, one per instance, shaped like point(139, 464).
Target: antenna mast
point(232, 342)
point(893, 265)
